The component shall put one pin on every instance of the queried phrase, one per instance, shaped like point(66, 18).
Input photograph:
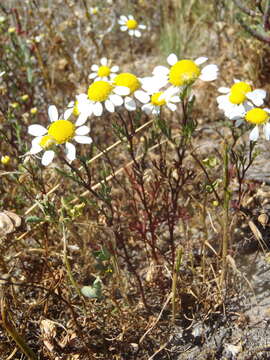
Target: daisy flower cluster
point(242, 103)
point(110, 91)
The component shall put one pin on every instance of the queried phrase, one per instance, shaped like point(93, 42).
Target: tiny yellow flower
point(5, 159)
point(11, 30)
point(25, 97)
point(15, 105)
point(33, 111)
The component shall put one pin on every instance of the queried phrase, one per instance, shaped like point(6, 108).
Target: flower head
point(104, 71)
point(60, 131)
point(185, 72)
point(258, 117)
point(133, 86)
point(5, 159)
point(159, 98)
point(101, 94)
point(131, 25)
point(239, 98)
point(94, 10)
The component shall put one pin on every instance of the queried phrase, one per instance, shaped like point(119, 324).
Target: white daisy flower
point(184, 72)
point(159, 98)
point(258, 117)
point(104, 71)
point(101, 94)
point(72, 109)
point(60, 131)
point(94, 10)
point(133, 86)
point(239, 98)
point(128, 23)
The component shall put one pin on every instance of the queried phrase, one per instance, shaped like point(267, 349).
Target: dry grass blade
point(258, 235)
point(19, 340)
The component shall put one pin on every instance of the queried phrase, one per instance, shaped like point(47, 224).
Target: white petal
point(172, 59)
point(82, 130)
point(123, 28)
point(131, 32)
point(70, 151)
point(147, 108)
point(267, 110)
point(224, 90)
point(114, 68)
point(116, 100)
point(142, 96)
point(209, 72)
point(97, 109)
point(53, 113)
point(131, 17)
point(109, 106)
point(254, 134)
point(152, 84)
point(68, 113)
point(47, 157)
point(130, 104)
point(123, 18)
point(137, 33)
point(200, 60)
point(171, 106)
point(36, 148)
point(104, 61)
point(267, 131)
point(257, 97)
point(92, 75)
point(175, 99)
point(121, 90)
point(81, 119)
point(223, 100)
point(141, 26)
point(83, 139)
point(94, 67)
point(37, 130)
point(160, 71)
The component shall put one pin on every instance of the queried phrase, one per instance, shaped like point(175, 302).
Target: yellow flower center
point(104, 71)
point(61, 131)
point(76, 111)
point(128, 80)
point(131, 24)
point(99, 91)
point(257, 116)
point(47, 141)
point(155, 99)
point(238, 92)
point(184, 72)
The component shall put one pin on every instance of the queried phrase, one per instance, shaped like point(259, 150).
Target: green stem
point(226, 202)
